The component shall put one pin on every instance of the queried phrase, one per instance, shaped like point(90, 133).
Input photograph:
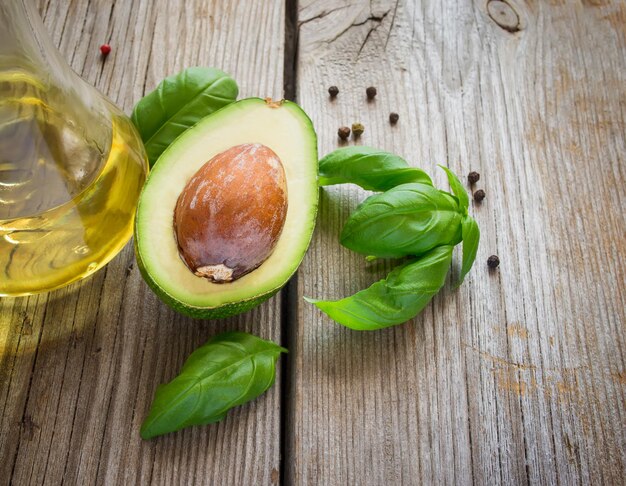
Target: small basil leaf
point(400, 297)
point(409, 219)
point(370, 168)
point(230, 369)
point(177, 103)
point(471, 236)
point(458, 189)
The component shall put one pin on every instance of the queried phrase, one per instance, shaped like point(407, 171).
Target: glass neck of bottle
point(26, 51)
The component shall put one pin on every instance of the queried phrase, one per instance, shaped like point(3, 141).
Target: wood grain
point(518, 376)
point(79, 366)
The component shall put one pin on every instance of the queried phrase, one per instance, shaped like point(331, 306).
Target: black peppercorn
point(473, 177)
point(343, 133)
point(479, 195)
point(393, 118)
point(493, 261)
point(370, 92)
point(357, 129)
point(333, 91)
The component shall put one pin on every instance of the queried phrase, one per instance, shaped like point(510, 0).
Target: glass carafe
point(71, 164)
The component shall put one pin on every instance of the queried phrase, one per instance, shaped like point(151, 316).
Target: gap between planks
point(289, 294)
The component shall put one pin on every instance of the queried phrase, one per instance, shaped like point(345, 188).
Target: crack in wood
point(322, 14)
point(371, 18)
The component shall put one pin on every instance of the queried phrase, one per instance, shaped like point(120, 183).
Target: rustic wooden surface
point(517, 377)
point(79, 366)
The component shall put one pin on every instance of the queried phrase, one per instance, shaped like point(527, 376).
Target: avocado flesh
point(285, 129)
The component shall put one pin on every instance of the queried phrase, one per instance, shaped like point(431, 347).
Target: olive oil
point(67, 196)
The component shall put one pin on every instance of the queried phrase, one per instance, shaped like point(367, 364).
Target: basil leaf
point(394, 300)
point(458, 189)
point(177, 103)
point(409, 219)
point(230, 369)
point(471, 236)
point(370, 168)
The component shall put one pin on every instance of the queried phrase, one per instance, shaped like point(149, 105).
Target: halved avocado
point(287, 131)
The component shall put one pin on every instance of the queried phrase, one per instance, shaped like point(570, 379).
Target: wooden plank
point(79, 366)
point(518, 376)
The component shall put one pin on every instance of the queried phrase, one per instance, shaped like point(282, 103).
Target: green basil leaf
point(409, 219)
point(396, 299)
point(471, 236)
point(177, 103)
point(370, 168)
point(458, 189)
point(230, 369)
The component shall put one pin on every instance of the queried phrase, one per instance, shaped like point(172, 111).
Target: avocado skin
point(226, 310)
point(238, 307)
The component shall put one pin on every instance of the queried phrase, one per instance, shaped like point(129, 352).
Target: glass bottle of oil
point(71, 164)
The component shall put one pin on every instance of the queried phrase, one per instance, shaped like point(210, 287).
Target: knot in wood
point(504, 15)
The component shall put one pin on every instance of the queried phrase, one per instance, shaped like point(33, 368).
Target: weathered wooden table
point(517, 377)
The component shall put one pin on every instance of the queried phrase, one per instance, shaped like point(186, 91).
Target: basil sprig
point(178, 103)
point(458, 190)
point(470, 234)
point(369, 168)
point(396, 299)
point(411, 219)
point(229, 370)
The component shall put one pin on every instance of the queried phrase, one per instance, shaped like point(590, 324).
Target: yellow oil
point(67, 202)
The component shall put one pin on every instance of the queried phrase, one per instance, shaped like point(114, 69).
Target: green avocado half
point(281, 126)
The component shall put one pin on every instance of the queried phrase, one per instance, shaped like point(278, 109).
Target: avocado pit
point(230, 214)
